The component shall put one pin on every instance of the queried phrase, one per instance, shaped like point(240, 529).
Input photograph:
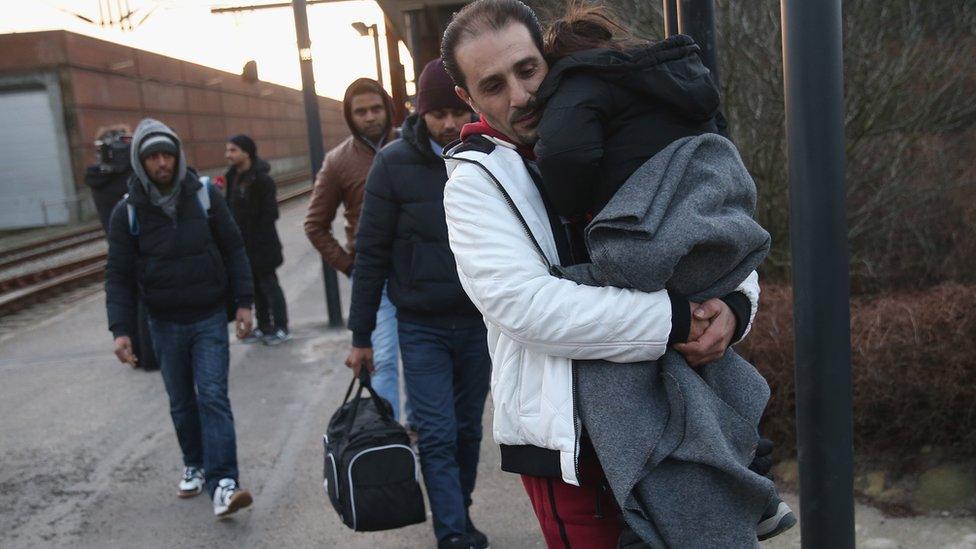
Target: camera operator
point(109, 183)
point(108, 178)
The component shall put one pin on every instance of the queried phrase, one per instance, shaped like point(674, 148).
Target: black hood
point(414, 131)
point(259, 165)
point(670, 71)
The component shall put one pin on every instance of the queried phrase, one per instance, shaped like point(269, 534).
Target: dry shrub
point(914, 365)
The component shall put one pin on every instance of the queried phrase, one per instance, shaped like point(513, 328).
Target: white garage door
point(32, 184)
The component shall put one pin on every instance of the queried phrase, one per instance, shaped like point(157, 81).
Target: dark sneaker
point(277, 338)
point(229, 498)
point(777, 518)
point(459, 541)
point(256, 336)
point(478, 539)
point(192, 482)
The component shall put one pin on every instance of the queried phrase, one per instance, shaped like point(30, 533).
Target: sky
point(185, 29)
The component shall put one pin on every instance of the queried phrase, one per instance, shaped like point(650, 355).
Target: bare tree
point(910, 121)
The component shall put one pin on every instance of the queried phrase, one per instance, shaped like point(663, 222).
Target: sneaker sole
point(237, 502)
point(783, 520)
point(190, 493)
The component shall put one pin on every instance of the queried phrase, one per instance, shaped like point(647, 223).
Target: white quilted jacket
point(538, 323)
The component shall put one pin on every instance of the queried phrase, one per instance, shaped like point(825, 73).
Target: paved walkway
point(90, 460)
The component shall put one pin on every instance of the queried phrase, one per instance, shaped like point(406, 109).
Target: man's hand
point(712, 343)
point(244, 322)
point(123, 350)
point(359, 356)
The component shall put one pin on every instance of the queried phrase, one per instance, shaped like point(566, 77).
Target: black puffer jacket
point(402, 236)
point(607, 112)
point(180, 268)
point(253, 201)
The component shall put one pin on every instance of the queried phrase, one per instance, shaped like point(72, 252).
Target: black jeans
point(269, 303)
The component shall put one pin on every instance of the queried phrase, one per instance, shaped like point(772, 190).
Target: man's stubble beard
point(445, 139)
point(163, 186)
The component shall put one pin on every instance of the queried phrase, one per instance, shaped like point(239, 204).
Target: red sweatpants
point(568, 514)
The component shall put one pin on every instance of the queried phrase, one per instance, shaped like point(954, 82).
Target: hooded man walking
point(342, 180)
point(252, 197)
point(180, 248)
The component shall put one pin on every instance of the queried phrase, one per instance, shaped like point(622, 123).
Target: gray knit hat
point(157, 143)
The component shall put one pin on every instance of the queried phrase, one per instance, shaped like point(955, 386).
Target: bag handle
point(364, 383)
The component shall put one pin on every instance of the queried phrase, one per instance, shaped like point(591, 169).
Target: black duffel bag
point(371, 471)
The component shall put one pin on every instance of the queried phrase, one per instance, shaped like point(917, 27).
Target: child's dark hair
point(586, 27)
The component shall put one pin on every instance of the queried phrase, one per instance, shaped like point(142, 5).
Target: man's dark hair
point(479, 17)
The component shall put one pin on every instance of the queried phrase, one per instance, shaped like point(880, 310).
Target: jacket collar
point(482, 127)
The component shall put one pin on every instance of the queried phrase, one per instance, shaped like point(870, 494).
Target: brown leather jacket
point(342, 180)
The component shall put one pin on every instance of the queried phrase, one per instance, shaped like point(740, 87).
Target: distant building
point(58, 88)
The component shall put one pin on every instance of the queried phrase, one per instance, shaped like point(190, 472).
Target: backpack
point(371, 472)
point(203, 199)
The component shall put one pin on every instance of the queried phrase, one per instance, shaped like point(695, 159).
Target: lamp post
point(366, 30)
point(316, 147)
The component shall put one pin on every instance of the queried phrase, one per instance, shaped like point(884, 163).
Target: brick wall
point(104, 83)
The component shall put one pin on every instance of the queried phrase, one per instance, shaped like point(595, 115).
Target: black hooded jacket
point(402, 236)
point(181, 264)
point(607, 112)
point(252, 198)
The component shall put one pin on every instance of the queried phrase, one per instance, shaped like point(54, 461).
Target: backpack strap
point(130, 211)
point(203, 195)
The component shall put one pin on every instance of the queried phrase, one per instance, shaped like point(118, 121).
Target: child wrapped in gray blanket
point(628, 142)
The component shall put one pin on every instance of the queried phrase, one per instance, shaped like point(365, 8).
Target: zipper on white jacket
point(577, 431)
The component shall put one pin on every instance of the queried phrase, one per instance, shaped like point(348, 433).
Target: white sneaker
point(192, 482)
point(278, 337)
point(228, 498)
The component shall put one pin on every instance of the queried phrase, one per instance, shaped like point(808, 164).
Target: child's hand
point(698, 325)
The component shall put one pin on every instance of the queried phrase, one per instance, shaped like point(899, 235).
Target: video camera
point(112, 151)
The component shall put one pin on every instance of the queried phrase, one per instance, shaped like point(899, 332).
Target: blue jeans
point(386, 359)
point(194, 359)
point(447, 373)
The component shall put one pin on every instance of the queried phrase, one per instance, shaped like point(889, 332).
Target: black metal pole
point(696, 18)
point(670, 18)
point(814, 91)
point(316, 149)
point(376, 49)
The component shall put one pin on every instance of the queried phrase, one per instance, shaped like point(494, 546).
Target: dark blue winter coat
point(402, 236)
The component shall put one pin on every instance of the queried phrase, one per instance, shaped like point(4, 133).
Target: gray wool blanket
point(676, 443)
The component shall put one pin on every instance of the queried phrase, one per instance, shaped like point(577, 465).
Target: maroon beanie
point(435, 90)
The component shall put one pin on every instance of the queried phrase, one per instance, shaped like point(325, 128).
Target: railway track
point(23, 290)
point(34, 251)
